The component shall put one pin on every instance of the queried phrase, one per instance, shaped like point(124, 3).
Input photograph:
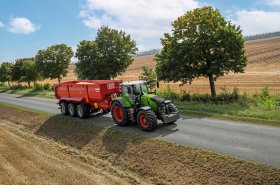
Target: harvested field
point(37, 148)
point(263, 69)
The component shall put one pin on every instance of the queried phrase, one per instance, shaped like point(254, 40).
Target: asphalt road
point(258, 143)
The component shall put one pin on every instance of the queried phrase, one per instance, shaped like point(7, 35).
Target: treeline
point(262, 36)
point(103, 58)
point(48, 63)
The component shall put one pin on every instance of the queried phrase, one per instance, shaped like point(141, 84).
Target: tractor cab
point(135, 88)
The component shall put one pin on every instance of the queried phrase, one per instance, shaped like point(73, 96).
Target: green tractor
point(137, 105)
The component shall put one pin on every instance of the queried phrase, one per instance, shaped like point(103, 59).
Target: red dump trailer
point(81, 97)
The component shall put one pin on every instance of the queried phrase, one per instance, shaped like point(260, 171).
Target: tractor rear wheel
point(72, 109)
point(64, 108)
point(146, 120)
point(83, 111)
point(119, 114)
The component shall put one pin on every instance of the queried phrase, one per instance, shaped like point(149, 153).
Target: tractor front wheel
point(119, 114)
point(147, 120)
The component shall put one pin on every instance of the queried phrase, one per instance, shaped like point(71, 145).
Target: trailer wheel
point(72, 109)
point(119, 114)
point(146, 120)
point(83, 111)
point(64, 108)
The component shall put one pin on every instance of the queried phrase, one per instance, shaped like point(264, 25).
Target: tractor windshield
point(142, 87)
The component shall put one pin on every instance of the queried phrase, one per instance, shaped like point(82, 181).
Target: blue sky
point(29, 25)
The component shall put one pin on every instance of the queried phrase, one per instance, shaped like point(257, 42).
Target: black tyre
point(171, 108)
point(83, 111)
point(72, 109)
point(147, 120)
point(64, 108)
point(119, 114)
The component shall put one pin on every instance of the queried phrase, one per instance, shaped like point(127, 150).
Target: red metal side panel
point(94, 92)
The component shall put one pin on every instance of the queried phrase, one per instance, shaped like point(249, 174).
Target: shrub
point(47, 86)
point(17, 87)
point(169, 94)
point(38, 87)
point(185, 96)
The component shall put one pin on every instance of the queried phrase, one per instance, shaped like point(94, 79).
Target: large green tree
point(30, 71)
point(202, 44)
point(53, 62)
point(17, 70)
point(6, 72)
point(107, 56)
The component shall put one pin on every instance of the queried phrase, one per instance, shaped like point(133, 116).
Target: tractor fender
point(145, 108)
point(120, 101)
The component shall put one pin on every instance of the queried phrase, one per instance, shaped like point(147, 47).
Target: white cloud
point(273, 2)
point(22, 25)
point(256, 22)
point(140, 18)
point(1, 25)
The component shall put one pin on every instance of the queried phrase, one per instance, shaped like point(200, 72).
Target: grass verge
point(25, 91)
point(232, 112)
point(152, 160)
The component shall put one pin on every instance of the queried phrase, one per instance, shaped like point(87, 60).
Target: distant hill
point(149, 52)
point(262, 36)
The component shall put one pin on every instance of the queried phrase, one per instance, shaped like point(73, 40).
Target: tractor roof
point(134, 82)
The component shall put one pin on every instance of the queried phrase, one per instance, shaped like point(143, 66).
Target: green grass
point(232, 112)
point(25, 91)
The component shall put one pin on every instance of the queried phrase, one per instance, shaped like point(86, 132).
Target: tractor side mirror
point(157, 84)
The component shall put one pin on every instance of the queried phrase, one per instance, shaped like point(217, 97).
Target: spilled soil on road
point(37, 148)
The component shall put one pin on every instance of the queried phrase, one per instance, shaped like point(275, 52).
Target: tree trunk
point(9, 83)
point(28, 84)
point(58, 79)
point(212, 85)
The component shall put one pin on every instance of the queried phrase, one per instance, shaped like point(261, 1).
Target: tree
point(149, 75)
point(202, 44)
point(53, 62)
point(107, 56)
point(17, 71)
point(30, 71)
point(6, 72)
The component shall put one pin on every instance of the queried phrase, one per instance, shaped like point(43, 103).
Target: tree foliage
point(17, 71)
point(53, 62)
point(107, 56)
point(202, 44)
point(6, 72)
point(30, 71)
point(149, 75)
